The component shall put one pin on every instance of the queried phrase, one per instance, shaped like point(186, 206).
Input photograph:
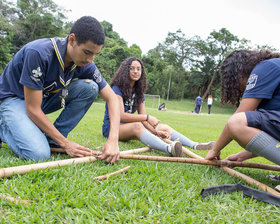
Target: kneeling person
point(45, 76)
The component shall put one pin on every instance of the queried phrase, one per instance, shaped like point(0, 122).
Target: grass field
point(150, 192)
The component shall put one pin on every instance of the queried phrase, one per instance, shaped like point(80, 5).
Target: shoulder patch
point(97, 76)
point(36, 74)
point(252, 81)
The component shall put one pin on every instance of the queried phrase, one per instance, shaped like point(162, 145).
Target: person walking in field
point(254, 76)
point(209, 103)
point(130, 83)
point(47, 75)
point(197, 104)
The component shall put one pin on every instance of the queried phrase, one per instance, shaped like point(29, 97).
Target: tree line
point(179, 67)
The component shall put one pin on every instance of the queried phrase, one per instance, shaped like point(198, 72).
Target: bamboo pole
point(15, 200)
point(230, 171)
point(219, 163)
point(106, 176)
point(132, 151)
point(7, 172)
point(135, 151)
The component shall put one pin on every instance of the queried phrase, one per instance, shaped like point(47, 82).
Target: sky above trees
point(147, 23)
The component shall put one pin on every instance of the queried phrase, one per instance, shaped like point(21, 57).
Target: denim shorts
point(265, 120)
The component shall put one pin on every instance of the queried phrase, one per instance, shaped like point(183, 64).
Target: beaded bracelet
point(147, 117)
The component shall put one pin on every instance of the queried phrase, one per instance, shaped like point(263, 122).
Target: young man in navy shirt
point(197, 104)
point(256, 122)
point(47, 75)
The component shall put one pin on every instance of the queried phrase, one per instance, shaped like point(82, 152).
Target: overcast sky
point(147, 22)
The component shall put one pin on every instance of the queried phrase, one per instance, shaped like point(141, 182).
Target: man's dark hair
point(122, 80)
point(238, 66)
point(88, 28)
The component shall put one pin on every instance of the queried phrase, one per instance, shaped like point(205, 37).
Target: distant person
point(254, 75)
point(209, 103)
point(130, 83)
point(46, 75)
point(162, 107)
point(197, 104)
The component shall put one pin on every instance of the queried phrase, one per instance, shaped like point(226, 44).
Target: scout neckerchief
point(131, 102)
point(65, 83)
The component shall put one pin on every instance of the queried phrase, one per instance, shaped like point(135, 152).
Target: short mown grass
point(150, 192)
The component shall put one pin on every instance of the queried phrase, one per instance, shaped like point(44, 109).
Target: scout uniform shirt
point(39, 65)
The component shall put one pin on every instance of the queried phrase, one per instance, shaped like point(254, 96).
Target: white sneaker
point(176, 149)
point(204, 146)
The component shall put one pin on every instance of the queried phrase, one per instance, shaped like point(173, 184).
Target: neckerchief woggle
point(65, 83)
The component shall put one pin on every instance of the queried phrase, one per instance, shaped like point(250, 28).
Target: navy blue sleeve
point(117, 90)
point(33, 70)
point(92, 72)
point(263, 81)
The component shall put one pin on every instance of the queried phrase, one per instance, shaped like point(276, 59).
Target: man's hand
point(110, 152)
point(75, 150)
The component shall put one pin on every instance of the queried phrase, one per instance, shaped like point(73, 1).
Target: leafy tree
point(212, 53)
point(179, 51)
point(6, 33)
point(37, 19)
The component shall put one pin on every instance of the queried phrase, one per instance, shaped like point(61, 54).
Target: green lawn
point(150, 192)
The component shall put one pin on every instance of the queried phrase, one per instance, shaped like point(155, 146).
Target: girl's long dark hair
point(238, 65)
point(122, 80)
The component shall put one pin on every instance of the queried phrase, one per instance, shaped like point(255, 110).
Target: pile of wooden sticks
point(132, 154)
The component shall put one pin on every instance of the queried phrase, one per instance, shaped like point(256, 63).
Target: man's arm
point(111, 150)
point(33, 101)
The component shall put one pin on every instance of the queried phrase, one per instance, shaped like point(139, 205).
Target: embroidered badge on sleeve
point(36, 74)
point(252, 81)
point(97, 76)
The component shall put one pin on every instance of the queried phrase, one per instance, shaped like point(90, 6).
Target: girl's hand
point(153, 121)
point(163, 134)
point(213, 155)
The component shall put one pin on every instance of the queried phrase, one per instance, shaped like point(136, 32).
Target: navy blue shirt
point(129, 107)
point(39, 66)
point(264, 82)
point(198, 100)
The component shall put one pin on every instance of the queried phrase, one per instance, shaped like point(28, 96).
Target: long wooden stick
point(14, 200)
point(230, 171)
point(132, 151)
point(198, 160)
point(106, 176)
point(7, 172)
point(135, 151)
point(219, 163)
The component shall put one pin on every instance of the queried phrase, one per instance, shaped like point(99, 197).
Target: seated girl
point(130, 83)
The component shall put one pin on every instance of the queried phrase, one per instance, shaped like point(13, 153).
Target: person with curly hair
point(46, 75)
point(254, 76)
point(130, 83)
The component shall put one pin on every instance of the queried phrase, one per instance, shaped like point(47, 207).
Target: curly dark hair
point(122, 80)
point(238, 66)
point(88, 28)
